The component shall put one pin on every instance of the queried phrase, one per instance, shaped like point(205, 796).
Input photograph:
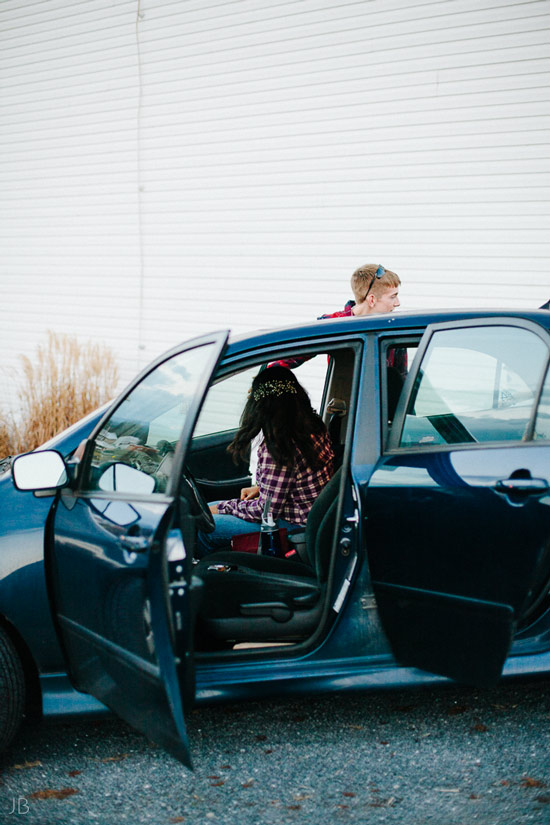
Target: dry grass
point(61, 384)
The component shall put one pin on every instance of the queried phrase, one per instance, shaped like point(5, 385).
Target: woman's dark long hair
point(280, 407)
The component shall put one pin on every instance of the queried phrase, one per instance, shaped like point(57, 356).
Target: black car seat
point(337, 410)
point(395, 385)
point(250, 597)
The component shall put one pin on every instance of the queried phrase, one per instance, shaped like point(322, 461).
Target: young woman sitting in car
point(295, 459)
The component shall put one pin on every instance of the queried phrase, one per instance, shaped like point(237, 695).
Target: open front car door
point(119, 556)
point(458, 509)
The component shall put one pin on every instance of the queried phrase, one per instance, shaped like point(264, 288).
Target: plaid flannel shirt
point(292, 490)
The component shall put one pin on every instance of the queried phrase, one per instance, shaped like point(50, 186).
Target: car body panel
point(60, 700)
point(22, 521)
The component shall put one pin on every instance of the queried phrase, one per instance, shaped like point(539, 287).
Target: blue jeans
point(228, 526)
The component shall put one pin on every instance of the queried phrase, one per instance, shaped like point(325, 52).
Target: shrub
point(61, 384)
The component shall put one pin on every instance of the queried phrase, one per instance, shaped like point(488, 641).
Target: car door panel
point(116, 646)
point(481, 551)
point(423, 625)
point(119, 557)
point(214, 469)
point(458, 531)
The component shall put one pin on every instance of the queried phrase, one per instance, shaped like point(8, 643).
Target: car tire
point(12, 690)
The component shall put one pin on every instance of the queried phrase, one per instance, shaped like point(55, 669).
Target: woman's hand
point(249, 492)
point(213, 509)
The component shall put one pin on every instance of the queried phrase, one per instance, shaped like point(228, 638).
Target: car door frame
point(343, 566)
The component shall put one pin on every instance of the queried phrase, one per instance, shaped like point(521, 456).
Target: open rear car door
point(458, 515)
point(120, 549)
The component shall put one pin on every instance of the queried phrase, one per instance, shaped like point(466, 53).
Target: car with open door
point(426, 557)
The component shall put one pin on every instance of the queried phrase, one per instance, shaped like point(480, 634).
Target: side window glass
point(134, 451)
point(222, 408)
point(475, 385)
point(542, 424)
point(312, 375)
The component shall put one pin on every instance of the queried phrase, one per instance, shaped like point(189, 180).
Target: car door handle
point(135, 544)
point(527, 486)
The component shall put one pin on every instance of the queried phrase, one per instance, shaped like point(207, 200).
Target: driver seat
point(254, 598)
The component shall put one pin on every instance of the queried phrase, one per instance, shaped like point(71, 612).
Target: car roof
point(413, 320)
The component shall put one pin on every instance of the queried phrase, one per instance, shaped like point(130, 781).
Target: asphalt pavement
point(446, 755)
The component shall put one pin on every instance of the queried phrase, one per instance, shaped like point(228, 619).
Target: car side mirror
point(43, 470)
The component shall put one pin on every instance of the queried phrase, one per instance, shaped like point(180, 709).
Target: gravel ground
point(443, 756)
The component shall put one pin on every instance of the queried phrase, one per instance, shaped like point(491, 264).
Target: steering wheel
point(199, 505)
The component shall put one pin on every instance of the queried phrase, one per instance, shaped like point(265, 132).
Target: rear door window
point(476, 384)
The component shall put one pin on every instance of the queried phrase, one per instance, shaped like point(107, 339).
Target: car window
point(475, 385)
point(542, 424)
point(224, 403)
point(222, 408)
point(143, 431)
point(312, 375)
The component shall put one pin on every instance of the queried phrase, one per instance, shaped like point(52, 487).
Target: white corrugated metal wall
point(172, 167)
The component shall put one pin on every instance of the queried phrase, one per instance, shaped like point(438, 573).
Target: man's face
point(387, 301)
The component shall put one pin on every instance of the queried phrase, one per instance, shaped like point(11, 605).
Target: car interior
point(249, 598)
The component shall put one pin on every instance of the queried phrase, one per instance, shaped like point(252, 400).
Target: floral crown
point(277, 386)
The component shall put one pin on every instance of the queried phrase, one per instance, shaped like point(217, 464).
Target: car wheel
point(12, 690)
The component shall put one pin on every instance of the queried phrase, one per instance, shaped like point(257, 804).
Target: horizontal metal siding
point(69, 228)
point(168, 168)
point(293, 143)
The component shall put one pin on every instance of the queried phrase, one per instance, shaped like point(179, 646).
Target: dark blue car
point(425, 558)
